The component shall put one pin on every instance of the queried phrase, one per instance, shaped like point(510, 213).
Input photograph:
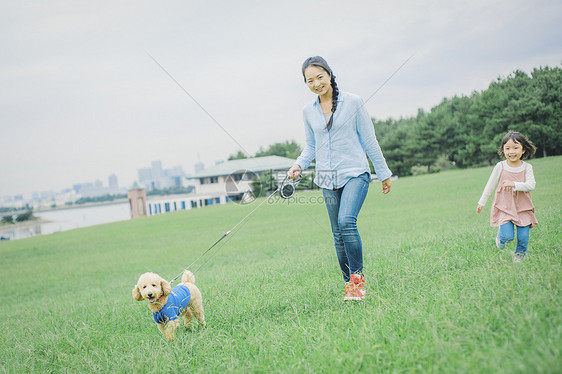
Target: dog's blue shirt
point(177, 301)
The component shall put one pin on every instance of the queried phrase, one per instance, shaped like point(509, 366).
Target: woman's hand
point(478, 208)
point(294, 171)
point(386, 185)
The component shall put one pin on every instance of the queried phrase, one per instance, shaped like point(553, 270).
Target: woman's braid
point(335, 93)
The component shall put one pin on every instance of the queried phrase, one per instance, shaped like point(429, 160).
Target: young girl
point(512, 204)
point(338, 132)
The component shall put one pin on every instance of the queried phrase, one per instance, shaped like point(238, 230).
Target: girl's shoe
point(518, 256)
point(355, 288)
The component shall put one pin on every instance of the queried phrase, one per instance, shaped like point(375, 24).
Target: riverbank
point(65, 207)
point(56, 220)
point(31, 222)
point(19, 230)
point(85, 205)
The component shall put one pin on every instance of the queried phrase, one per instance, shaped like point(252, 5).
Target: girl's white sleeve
point(529, 184)
point(491, 185)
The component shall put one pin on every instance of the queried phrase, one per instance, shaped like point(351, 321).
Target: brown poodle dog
point(168, 304)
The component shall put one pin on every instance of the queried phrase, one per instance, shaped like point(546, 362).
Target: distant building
point(95, 189)
point(13, 202)
point(113, 183)
point(225, 182)
point(137, 200)
point(144, 174)
point(232, 180)
point(90, 189)
point(172, 203)
point(45, 199)
point(198, 167)
point(156, 177)
point(156, 169)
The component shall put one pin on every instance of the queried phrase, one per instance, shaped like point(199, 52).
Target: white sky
point(80, 98)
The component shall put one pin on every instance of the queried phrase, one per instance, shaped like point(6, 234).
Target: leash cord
point(222, 237)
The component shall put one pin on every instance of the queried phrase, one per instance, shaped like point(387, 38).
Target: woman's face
point(318, 80)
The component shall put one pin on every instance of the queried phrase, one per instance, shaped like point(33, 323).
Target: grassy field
point(441, 297)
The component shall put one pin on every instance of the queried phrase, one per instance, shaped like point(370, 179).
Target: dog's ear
point(136, 293)
point(166, 288)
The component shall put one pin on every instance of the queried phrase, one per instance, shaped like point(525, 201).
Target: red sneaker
point(355, 288)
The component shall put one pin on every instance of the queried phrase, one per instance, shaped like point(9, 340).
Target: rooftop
point(256, 164)
point(136, 186)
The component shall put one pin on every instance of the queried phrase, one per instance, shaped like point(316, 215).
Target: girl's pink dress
point(510, 205)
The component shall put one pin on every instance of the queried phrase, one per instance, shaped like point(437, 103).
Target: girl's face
point(318, 80)
point(513, 151)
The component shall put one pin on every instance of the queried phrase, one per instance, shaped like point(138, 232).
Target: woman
point(338, 133)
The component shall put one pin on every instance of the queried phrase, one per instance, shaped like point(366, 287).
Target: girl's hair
point(321, 63)
point(517, 137)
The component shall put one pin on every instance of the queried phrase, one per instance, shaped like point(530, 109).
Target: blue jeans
point(506, 234)
point(343, 207)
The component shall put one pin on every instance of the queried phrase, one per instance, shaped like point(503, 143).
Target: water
point(68, 219)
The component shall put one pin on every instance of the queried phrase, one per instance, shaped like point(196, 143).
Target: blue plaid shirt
point(340, 152)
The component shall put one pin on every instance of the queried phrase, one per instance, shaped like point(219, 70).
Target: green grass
point(441, 296)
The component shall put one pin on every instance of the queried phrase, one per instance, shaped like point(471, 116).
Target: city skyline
point(112, 184)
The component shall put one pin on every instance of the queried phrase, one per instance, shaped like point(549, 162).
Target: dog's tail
point(188, 277)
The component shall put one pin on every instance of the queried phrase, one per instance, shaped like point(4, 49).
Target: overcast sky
point(81, 98)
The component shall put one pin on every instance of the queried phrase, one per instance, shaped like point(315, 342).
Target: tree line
point(22, 217)
point(465, 131)
point(289, 149)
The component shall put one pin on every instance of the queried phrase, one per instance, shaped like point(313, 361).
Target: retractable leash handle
point(288, 186)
